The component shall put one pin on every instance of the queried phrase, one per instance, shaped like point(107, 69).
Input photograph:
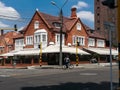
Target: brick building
point(6, 41)
point(44, 28)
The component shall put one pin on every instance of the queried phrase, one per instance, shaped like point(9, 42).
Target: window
point(29, 40)
point(1, 49)
point(19, 44)
point(41, 37)
point(100, 43)
point(98, 14)
point(91, 42)
point(57, 39)
point(80, 39)
point(36, 25)
point(98, 21)
point(98, 7)
point(56, 24)
point(98, 28)
point(78, 26)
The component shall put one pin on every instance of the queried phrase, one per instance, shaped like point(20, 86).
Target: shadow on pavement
point(74, 86)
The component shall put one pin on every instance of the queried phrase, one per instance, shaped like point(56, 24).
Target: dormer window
point(78, 26)
point(36, 25)
point(57, 24)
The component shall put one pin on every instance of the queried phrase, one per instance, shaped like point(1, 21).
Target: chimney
point(73, 12)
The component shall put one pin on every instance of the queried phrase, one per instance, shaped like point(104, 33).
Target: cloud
point(3, 25)
point(86, 15)
point(80, 5)
point(8, 12)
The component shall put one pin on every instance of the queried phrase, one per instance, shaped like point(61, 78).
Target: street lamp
point(61, 27)
point(110, 26)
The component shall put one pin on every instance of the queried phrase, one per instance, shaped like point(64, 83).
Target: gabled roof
point(67, 22)
point(7, 38)
point(19, 36)
point(93, 33)
point(49, 20)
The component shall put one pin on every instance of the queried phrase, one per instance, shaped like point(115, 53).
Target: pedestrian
point(67, 61)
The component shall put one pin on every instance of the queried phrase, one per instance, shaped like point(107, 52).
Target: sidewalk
point(96, 65)
point(89, 65)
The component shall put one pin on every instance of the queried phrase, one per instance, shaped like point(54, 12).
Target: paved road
point(57, 79)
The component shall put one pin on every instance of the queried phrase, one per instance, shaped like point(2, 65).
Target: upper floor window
point(40, 36)
point(57, 39)
point(78, 26)
point(80, 39)
point(1, 49)
point(19, 42)
point(91, 42)
point(100, 43)
point(56, 24)
point(9, 48)
point(29, 40)
point(36, 24)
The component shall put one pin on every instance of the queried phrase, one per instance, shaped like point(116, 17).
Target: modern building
point(104, 15)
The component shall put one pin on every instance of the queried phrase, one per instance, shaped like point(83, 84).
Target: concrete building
point(102, 15)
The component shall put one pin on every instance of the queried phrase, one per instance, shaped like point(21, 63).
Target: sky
point(20, 12)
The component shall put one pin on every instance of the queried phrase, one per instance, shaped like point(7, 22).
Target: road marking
point(4, 75)
point(88, 73)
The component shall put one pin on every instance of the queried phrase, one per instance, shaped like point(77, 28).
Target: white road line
point(88, 73)
point(4, 75)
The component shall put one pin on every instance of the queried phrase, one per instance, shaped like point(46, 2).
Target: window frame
point(80, 39)
point(36, 24)
point(79, 26)
point(99, 44)
point(57, 39)
point(29, 40)
point(91, 42)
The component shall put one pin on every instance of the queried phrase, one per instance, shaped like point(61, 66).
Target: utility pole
point(111, 5)
point(61, 28)
point(118, 29)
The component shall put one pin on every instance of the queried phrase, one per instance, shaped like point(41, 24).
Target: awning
point(65, 49)
point(49, 49)
point(102, 51)
point(11, 53)
point(30, 51)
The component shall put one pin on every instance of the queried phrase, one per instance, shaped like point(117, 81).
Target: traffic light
point(78, 43)
point(39, 46)
point(15, 27)
point(109, 3)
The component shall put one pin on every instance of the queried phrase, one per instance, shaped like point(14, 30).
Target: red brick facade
point(69, 29)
